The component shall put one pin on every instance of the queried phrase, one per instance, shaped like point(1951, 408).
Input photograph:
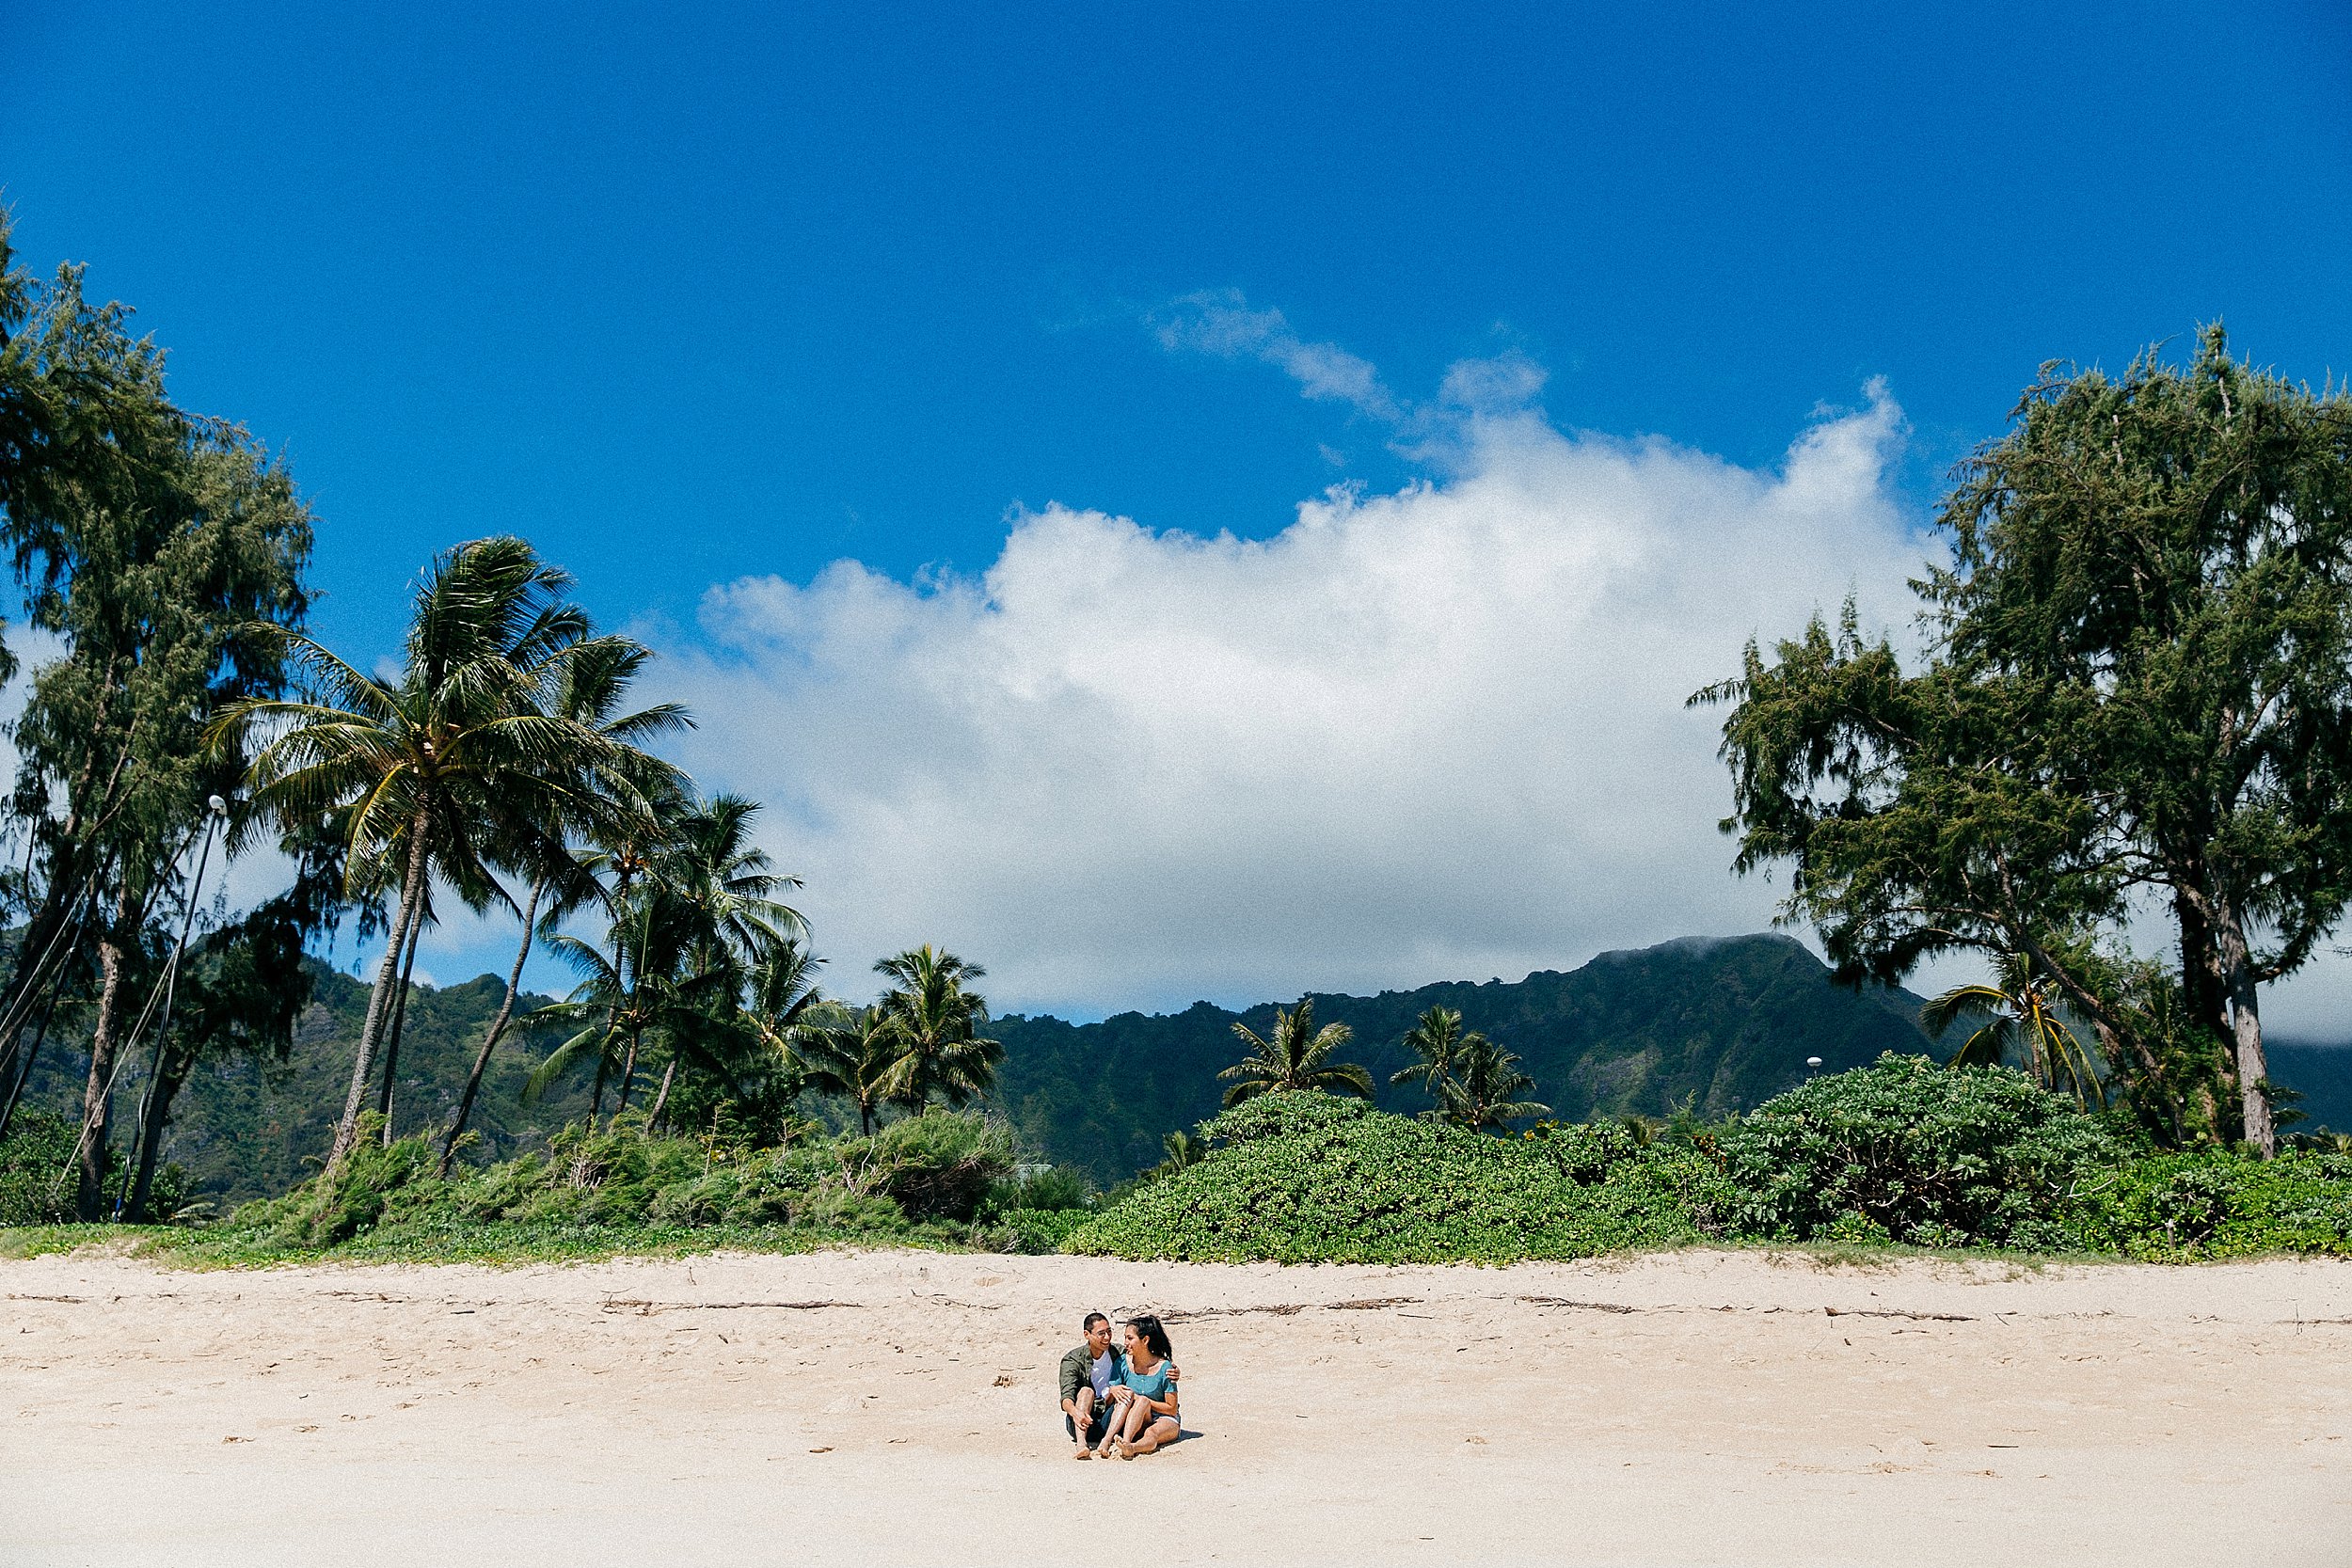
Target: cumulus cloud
point(1432, 733)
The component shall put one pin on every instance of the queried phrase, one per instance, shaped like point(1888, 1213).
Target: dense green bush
point(938, 1166)
point(1306, 1178)
point(37, 1181)
point(1910, 1151)
point(2175, 1208)
point(932, 1170)
point(37, 1186)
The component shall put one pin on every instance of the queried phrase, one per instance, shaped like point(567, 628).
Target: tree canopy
point(2136, 688)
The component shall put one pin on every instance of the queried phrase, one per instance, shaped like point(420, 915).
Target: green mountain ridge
point(1719, 1024)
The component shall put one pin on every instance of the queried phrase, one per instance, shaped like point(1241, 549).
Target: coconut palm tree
point(1479, 1091)
point(849, 1052)
point(2021, 1018)
point(1296, 1056)
point(589, 690)
point(936, 1019)
point(423, 765)
point(1183, 1150)
point(728, 889)
point(641, 989)
point(1437, 1039)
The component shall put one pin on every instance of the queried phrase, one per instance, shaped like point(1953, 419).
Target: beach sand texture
point(899, 1407)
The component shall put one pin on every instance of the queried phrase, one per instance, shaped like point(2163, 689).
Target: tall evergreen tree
point(2140, 682)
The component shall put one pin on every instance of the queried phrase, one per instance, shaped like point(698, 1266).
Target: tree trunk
point(347, 1130)
point(2253, 1068)
point(662, 1101)
point(629, 1074)
point(2200, 979)
point(13, 1092)
point(596, 1100)
point(171, 1075)
point(391, 1035)
point(498, 1027)
point(98, 1094)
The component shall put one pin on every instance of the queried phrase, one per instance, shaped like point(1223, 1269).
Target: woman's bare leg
point(1122, 1412)
point(1134, 1421)
point(1162, 1429)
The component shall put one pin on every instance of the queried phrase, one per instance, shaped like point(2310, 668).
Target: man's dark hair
point(1091, 1319)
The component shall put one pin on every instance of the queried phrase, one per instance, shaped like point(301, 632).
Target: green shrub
point(353, 1194)
point(937, 1165)
point(1038, 1230)
point(1311, 1179)
point(2213, 1204)
point(1048, 1188)
point(37, 1182)
point(1272, 1115)
point(1920, 1154)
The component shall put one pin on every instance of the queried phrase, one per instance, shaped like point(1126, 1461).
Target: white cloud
point(1435, 734)
point(1219, 322)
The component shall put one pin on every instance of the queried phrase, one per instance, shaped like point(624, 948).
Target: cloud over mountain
point(1431, 734)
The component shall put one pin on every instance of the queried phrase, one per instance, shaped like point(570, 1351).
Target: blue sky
point(694, 296)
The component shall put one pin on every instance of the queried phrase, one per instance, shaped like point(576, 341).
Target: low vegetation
point(1903, 1154)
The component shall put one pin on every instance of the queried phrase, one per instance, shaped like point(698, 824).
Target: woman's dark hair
point(1148, 1329)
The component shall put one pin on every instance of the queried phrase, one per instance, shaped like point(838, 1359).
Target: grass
point(492, 1244)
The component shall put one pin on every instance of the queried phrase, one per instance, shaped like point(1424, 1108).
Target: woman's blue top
point(1153, 1384)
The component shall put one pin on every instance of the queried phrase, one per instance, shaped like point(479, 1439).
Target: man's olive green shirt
point(1077, 1371)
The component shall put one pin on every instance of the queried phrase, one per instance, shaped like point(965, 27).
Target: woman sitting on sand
point(1145, 1414)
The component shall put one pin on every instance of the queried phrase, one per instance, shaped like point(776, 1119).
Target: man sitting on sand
point(1097, 1379)
point(1088, 1375)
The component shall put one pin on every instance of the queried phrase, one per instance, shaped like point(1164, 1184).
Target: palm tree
point(645, 989)
point(1437, 1039)
point(1296, 1057)
point(849, 1052)
point(727, 888)
point(1183, 1150)
point(1478, 1094)
point(937, 1020)
point(2022, 1017)
point(588, 691)
point(423, 766)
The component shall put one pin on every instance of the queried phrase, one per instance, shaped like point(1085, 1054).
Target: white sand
point(1691, 1409)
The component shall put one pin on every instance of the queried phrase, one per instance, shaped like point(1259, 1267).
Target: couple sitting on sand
point(1121, 1400)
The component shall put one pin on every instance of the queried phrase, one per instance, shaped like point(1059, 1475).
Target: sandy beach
point(897, 1408)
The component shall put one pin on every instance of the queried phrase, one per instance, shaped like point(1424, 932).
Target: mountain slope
point(1721, 1025)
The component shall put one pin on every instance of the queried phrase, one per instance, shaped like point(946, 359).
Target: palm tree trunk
point(411, 888)
point(498, 1027)
point(391, 1035)
point(596, 1100)
point(89, 1202)
point(629, 1074)
point(662, 1101)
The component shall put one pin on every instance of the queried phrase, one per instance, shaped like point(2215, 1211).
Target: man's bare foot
point(1084, 1453)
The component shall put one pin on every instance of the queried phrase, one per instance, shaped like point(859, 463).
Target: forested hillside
point(249, 1128)
point(1721, 1025)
